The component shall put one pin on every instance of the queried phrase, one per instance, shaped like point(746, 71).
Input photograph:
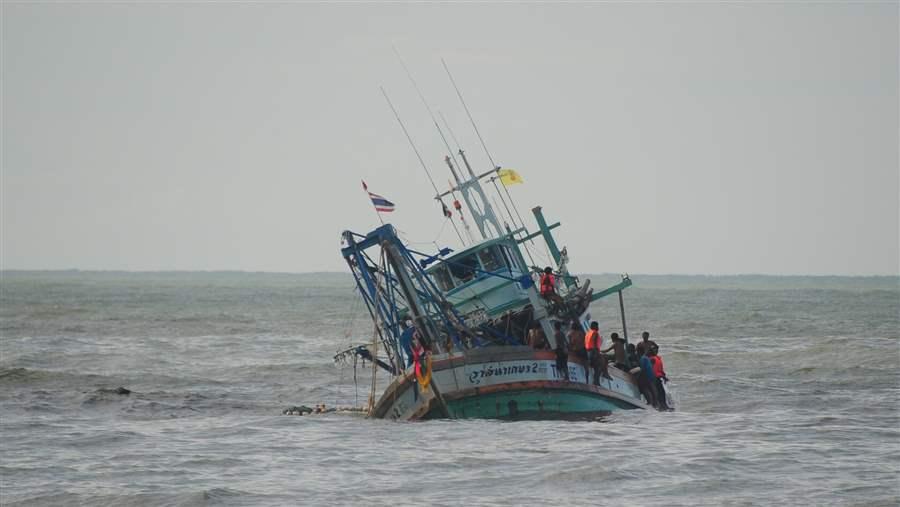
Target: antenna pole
point(483, 145)
point(458, 94)
point(419, 156)
point(425, 103)
point(456, 141)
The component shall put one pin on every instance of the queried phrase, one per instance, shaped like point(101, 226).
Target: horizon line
point(327, 272)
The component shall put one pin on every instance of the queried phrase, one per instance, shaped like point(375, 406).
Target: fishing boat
point(471, 310)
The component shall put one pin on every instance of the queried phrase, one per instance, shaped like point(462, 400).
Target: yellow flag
point(509, 177)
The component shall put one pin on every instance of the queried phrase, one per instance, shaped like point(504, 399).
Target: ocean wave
point(26, 376)
point(229, 496)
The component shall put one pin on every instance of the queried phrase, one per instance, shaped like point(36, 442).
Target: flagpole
point(369, 198)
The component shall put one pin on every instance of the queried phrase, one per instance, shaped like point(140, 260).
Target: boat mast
point(456, 204)
point(419, 156)
point(622, 309)
point(496, 168)
point(446, 144)
point(493, 179)
point(483, 215)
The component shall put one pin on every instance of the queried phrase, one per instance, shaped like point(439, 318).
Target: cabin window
point(509, 257)
point(442, 277)
point(490, 260)
point(464, 268)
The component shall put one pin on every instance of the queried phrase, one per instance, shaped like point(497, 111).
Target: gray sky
point(667, 138)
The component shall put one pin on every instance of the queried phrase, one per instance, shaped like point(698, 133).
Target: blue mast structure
point(395, 288)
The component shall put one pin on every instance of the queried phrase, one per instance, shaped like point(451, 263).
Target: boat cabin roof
point(497, 255)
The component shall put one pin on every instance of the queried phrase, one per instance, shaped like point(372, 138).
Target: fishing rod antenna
point(418, 155)
point(495, 167)
point(472, 120)
point(425, 103)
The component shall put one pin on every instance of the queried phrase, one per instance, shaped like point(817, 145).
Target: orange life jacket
point(592, 340)
point(548, 284)
point(658, 367)
point(418, 353)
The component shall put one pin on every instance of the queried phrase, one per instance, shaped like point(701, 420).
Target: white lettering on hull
point(503, 372)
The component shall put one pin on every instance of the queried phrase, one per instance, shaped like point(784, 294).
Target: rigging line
point(405, 235)
point(550, 260)
point(468, 113)
point(493, 165)
point(441, 232)
point(458, 235)
point(461, 217)
point(494, 201)
point(528, 252)
point(418, 155)
point(516, 209)
point(355, 382)
point(450, 131)
point(408, 138)
point(544, 256)
point(454, 226)
point(456, 141)
point(353, 310)
point(425, 103)
point(508, 213)
point(340, 383)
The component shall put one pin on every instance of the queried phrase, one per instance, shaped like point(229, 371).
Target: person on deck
point(659, 374)
point(548, 287)
point(576, 344)
point(618, 347)
point(536, 337)
point(418, 356)
point(647, 343)
point(406, 341)
point(631, 355)
point(562, 351)
point(596, 360)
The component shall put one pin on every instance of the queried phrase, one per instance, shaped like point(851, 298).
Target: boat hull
point(506, 383)
point(547, 402)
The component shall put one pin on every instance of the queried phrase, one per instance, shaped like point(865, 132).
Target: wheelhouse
point(483, 277)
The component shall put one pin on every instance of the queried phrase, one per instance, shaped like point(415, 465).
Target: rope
point(355, 383)
point(432, 242)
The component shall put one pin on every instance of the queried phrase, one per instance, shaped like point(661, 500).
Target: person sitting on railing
point(618, 348)
point(548, 287)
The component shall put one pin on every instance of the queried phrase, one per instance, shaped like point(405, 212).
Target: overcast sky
point(711, 138)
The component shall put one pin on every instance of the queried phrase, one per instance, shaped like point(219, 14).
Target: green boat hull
point(533, 404)
point(506, 383)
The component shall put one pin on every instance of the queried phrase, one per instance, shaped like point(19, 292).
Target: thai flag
point(381, 204)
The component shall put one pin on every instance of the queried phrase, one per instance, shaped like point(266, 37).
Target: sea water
point(788, 390)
